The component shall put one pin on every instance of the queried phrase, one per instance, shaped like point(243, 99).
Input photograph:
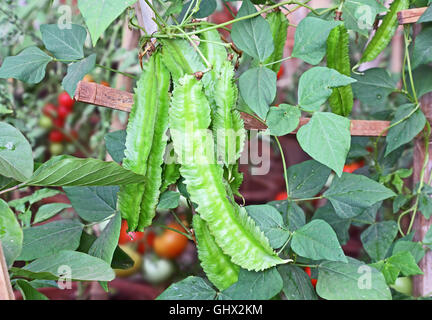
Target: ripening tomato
point(65, 100)
point(403, 285)
point(308, 271)
point(141, 248)
point(45, 122)
point(156, 270)
point(280, 72)
point(314, 282)
point(350, 168)
point(55, 148)
point(150, 237)
point(56, 136)
point(281, 196)
point(63, 111)
point(88, 78)
point(59, 122)
point(104, 83)
point(50, 110)
point(126, 237)
point(170, 244)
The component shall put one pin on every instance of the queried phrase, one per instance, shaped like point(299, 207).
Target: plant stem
point(117, 71)
point(13, 188)
point(284, 166)
point(275, 62)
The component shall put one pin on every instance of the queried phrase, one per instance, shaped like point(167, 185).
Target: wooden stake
point(6, 292)
point(410, 15)
point(93, 93)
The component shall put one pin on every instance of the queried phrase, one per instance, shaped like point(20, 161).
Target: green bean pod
point(385, 31)
point(234, 231)
point(171, 173)
point(279, 28)
point(217, 265)
point(342, 99)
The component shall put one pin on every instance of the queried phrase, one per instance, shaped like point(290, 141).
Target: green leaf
point(415, 248)
point(93, 203)
point(315, 86)
point(11, 236)
point(426, 16)
point(49, 210)
point(422, 51)
point(283, 119)
point(28, 292)
point(317, 240)
point(16, 157)
point(19, 204)
point(252, 285)
point(270, 221)
point(258, 89)
point(76, 72)
point(65, 44)
point(425, 205)
point(339, 225)
point(373, 87)
point(327, 139)
point(351, 281)
point(378, 238)
point(28, 66)
point(50, 238)
point(310, 39)
point(351, 194)
point(99, 15)
point(427, 240)
point(422, 80)
point(253, 36)
point(306, 179)
point(389, 271)
point(191, 288)
point(359, 15)
point(293, 215)
point(406, 263)
point(405, 131)
point(115, 143)
point(83, 267)
point(105, 245)
point(169, 200)
point(71, 171)
point(296, 283)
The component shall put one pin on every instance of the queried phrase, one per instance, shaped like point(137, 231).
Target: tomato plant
point(198, 99)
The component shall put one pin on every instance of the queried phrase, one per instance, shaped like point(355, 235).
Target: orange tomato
point(170, 244)
point(281, 196)
point(88, 78)
point(350, 168)
point(104, 83)
point(314, 282)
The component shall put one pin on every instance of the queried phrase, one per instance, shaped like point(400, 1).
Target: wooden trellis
point(100, 95)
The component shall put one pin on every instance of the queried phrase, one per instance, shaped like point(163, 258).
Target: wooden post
point(423, 283)
point(6, 292)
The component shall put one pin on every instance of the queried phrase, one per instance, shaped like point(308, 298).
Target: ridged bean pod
point(385, 32)
point(342, 99)
point(234, 231)
point(217, 265)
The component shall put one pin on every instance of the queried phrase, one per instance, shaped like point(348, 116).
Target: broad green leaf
point(71, 171)
point(427, 240)
point(351, 194)
point(425, 205)
point(28, 292)
point(315, 86)
point(49, 210)
point(19, 204)
point(270, 221)
point(65, 44)
point(373, 87)
point(283, 119)
point(191, 288)
point(207, 7)
point(82, 267)
point(296, 283)
point(310, 39)
point(50, 238)
point(169, 200)
point(422, 51)
point(11, 235)
point(406, 130)
point(104, 246)
point(359, 15)
point(368, 216)
point(77, 71)
point(252, 285)
point(406, 263)
point(378, 238)
point(317, 240)
point(327, 139)
point(16, 157)
point(28, 66)
point(351, 281)
point(426, 16)
point(253, 35)
point(100, 14)
point(422, 80)
point(115, 143)
point(258, 89)
point(389, 271)
point(339, 225)
point(93, 203)
point(306, 179)
point(415, 248)
point(293, 215)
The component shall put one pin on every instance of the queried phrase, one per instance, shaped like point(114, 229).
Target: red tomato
point(353, 166)
point(126, 237)
point(170, 244)
point(56, 136)
point(314, 282)
point(59, 122)
point(280, 72)
point(65, 100)
point(281, 196)
point(50, 110)
point(150, 237)
point(63, 111)
point(141, 248)
point(308, 271)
